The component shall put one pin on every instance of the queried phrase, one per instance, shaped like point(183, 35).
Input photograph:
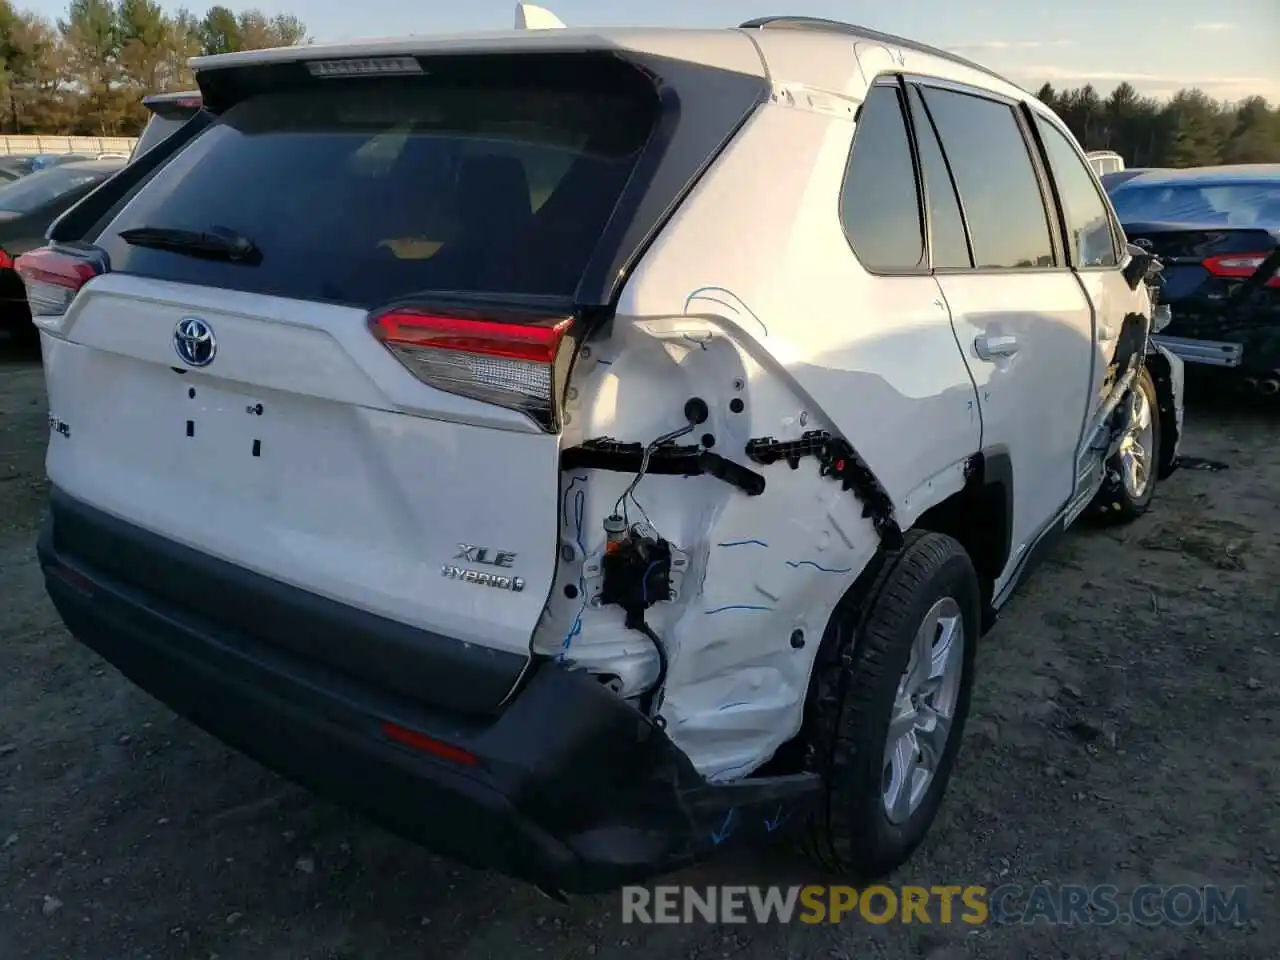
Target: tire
point(1120, 500)
point(853, 830)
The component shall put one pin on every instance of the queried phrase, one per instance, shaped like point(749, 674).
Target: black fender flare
point(991, 467)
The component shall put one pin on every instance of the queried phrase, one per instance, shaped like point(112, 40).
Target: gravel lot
point(1124, 731)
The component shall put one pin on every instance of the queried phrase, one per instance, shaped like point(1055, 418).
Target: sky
point(1231, 50)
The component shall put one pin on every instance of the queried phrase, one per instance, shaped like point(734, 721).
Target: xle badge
point(494, 558)
point(489, 557)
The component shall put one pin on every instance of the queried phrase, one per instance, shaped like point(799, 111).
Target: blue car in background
point(1112, 180)
point(1217, 231)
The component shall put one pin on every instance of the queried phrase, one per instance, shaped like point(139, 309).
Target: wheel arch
point(980, 517)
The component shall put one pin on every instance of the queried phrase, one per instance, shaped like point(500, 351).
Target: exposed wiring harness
point(630, 492)
point(638, 562)
point(653, 699)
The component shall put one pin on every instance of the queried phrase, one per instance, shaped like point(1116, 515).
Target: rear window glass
point(1208, 204)
point(369, 190)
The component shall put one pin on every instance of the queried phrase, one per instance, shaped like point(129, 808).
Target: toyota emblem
point(194, 343)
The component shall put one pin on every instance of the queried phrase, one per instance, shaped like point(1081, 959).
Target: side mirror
point(1137, 264)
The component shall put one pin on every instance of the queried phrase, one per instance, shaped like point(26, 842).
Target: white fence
point(41, 143)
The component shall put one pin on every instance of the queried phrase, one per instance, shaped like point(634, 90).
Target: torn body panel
point(763, 569)
point(754, 578)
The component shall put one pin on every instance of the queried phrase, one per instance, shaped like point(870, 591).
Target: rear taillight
point(6, 261)
point(54, 276)
point(1240, 266)
point(517, 363)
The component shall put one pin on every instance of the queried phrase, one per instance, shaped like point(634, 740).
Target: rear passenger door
point(1022, 320)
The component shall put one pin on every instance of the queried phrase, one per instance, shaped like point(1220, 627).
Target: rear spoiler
point(532, 17)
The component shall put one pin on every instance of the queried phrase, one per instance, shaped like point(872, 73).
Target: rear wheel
point(897, 703)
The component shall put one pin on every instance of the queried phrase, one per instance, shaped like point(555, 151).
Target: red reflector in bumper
point(420, 741)
point(72, 579)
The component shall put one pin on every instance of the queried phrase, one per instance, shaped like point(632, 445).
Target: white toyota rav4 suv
point(580, 449)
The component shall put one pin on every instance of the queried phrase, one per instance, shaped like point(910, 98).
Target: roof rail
point(853, 30)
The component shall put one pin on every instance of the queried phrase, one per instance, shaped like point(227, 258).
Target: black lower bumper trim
point(571, 788)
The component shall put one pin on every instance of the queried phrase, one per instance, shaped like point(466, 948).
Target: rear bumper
point(1210, 352)
point(567, 787)
point(1241, 338)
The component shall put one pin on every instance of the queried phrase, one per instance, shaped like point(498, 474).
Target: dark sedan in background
point(27, 207)
point(13, 167)
point(36, 190)
point(1217, 231)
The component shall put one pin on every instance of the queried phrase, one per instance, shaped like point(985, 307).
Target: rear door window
point(364, 191)
point(998, 185)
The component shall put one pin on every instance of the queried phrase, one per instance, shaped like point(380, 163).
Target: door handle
point(988, 348)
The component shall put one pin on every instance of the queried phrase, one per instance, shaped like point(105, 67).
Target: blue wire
point(817, 566)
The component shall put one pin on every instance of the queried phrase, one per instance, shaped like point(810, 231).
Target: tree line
point(86, 73)
point(1190, 129)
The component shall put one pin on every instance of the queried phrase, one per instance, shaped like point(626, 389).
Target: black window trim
point(1118, 243)
point(1044, 177)
point(1046, 200)
point(951, 178)
point(925, 269)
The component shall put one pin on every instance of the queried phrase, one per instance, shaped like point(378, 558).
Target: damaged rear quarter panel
point(752, 294)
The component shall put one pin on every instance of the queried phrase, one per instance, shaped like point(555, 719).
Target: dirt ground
point(1124, 731)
